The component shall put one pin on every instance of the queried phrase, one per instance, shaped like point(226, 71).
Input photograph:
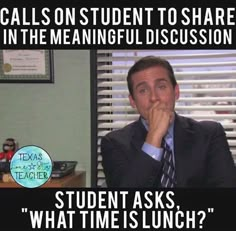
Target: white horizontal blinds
point(207, 80)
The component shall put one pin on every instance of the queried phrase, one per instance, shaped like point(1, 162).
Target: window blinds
point(207, 80)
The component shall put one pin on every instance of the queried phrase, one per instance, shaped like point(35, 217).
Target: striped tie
point(168, 169)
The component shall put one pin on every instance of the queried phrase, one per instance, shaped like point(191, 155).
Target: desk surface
point(74, 180)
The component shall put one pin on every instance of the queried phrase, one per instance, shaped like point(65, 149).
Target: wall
point(55, 116)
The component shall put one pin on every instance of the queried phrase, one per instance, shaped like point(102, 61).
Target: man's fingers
point(155, 105)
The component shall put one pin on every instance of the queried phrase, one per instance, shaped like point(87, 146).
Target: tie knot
point(164, 143)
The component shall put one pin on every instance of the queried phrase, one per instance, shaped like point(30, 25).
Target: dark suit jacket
point(202, 156)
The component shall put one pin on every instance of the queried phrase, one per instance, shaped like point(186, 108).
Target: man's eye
point(162, 87)
point(143, 90)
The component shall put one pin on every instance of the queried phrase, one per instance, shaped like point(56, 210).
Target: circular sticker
point(31, 166)
point(7, 67)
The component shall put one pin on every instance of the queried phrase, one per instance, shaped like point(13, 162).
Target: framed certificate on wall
point(26, 66)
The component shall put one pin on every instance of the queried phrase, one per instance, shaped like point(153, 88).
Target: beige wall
point(55, 116)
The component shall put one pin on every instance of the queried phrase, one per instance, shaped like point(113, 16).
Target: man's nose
point(154, 96)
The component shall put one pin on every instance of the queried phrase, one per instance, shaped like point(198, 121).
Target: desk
point(74, 180)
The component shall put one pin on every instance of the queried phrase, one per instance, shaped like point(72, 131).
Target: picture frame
point(26, 66)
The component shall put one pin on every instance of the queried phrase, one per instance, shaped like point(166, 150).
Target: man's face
point(152, 85)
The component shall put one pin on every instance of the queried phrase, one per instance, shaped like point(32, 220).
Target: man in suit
point(133, 155)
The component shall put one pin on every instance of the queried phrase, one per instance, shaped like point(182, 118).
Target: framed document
point(26, 66)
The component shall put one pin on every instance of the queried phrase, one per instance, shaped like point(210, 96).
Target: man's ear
point(176, 92)
point(132, 101)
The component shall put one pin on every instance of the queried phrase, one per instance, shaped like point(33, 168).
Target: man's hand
point(159, 118)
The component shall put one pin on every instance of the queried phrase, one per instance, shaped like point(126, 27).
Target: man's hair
point(147, 62)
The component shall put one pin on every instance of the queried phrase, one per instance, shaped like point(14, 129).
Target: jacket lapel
point(139, 135)
point(183, 135)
